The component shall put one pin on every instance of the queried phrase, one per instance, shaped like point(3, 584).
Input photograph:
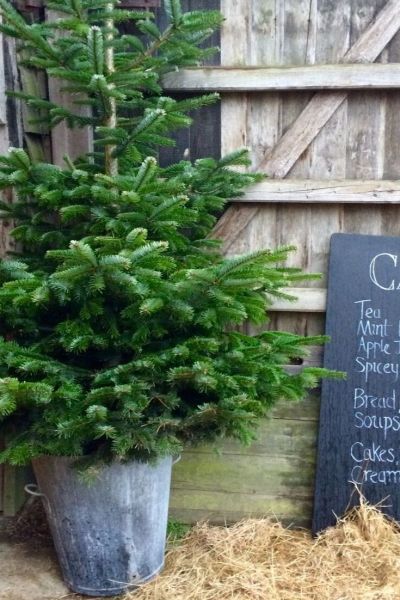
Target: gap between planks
point(309, 77)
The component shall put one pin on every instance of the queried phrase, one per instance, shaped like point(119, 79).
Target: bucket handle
point(33, 490)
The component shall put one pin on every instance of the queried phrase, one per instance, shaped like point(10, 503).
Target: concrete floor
point(28, 565)
point(29, 571)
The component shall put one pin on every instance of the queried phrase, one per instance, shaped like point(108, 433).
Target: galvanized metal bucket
point(109, 535)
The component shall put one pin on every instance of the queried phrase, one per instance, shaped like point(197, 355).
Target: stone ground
point(29, 572)
point(28, 566)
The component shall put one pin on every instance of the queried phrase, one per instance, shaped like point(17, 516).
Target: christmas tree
point(119, 316)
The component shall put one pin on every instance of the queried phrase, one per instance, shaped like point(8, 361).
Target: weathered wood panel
point(307, 300)
point(8, 130)
point(219, 507)
point(261, 79)
point(14, 482)
point(314, 191)
point(271, 476)
point(370, 43)
point(356, 143)
point(203, 137)
point(16, 131)
point(64, 141)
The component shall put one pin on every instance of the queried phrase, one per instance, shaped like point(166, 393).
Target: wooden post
point(111, 163)
point(10, 134)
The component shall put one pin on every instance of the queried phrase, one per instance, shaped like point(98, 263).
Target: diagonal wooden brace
point(314, 116)
point(324, 104)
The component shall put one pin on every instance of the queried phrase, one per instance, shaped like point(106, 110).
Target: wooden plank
point(14, 496)
point(236, 44)
point(277, 437)
point(38, 147)
point(390, 154)
point(65, 141)
point(365, 140)
point(376, 37)
point(251, 34)
point(309, 77)
point(365, 132)
point(308, 300)
point(12, 480)
point(265, 32)
point(315, 360)
point(304, 130)
point(7, 77)
point(3, 116)
point(203, 137)
point(311, 191)
point(256, 116)
point(273, 476)
point(191, 506)
point(322, 106)
point(328, 149)
point(305, 410)
point(5, 73)
point(332, 26)
point(219, 473)
point(205, 131)
point(255, 120)
point(297, 27)
point(33, 82)
point(10, 117)
point(14, 120)
point(28, 4)
point(139, 4)
point(292, 226)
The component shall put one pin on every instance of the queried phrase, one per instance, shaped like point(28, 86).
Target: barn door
point(312, 88)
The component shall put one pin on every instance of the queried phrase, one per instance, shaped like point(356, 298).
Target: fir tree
point(118, 312)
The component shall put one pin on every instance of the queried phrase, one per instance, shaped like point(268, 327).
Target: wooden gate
point(310, 87)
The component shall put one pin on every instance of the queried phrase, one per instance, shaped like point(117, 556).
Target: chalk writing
point(383, 267)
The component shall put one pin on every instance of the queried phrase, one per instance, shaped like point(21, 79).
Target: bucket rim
point(115, 590)
point(174, 457)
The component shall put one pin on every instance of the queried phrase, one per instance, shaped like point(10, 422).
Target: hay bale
point(255, 559)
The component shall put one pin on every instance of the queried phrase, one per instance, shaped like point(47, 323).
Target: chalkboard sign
point(359, 435)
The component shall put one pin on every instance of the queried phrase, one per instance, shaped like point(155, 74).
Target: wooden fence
point(311, 87)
